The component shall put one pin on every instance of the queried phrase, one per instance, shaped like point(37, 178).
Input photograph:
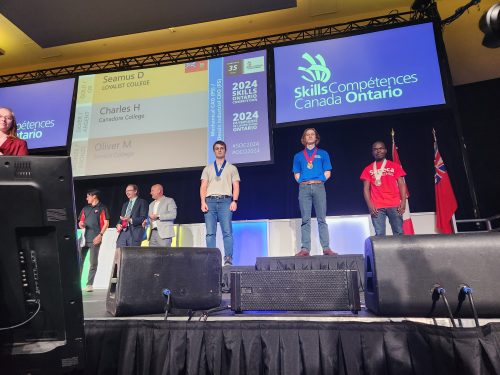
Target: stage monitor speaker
point(401, 273)
point(41, 313)
point(140, 274)
point(226, 275)
point(315, 262)
point(295, 290)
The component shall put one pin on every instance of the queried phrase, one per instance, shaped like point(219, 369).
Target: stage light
point(489, 24)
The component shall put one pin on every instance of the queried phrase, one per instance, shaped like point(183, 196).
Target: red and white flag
point(446, 203)
point(407, 223)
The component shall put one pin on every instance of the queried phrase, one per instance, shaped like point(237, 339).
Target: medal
point(377, 173)
point(311, 158)
point(218, 172)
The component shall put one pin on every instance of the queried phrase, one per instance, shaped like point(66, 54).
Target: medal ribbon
point(310, 159)
point(218, 172)
point(377, 173)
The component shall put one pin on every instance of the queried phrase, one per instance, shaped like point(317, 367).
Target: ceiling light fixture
point(490, 26)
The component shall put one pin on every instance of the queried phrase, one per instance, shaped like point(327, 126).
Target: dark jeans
point(94, 256)
point(395, 220)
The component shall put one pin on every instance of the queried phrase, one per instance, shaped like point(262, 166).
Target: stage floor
point(94, 307)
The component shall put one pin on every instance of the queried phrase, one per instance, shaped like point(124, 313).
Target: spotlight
point(490, 26)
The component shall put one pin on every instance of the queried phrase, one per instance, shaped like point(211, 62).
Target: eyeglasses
point(6, 117)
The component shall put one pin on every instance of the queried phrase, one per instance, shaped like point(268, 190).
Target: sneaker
point(329, 251)
point(302, 253)
point(88, 288)
point(228, 261)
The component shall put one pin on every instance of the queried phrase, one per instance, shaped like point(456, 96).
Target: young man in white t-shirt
point(219, 191)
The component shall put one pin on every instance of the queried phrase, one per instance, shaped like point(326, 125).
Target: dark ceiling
point(59, 22)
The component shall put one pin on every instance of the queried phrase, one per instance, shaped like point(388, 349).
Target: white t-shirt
point(222, 185)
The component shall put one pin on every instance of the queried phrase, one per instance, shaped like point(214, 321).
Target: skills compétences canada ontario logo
point(321, 91)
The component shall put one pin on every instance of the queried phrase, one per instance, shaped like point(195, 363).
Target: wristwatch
point(235, 200)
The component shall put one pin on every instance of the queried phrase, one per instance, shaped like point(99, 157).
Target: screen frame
point(54, 150)
point(444, 71)
point(270, 111)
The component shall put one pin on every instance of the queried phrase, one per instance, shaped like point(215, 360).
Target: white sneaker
point(228, 261)
point(88, 288)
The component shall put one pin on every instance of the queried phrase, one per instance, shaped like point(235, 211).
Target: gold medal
point(310, 159)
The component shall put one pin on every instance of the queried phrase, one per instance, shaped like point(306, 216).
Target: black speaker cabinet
point(140, 274)
point(402, 271)
point(299, 290)
point(226, 275)
point(315, 262)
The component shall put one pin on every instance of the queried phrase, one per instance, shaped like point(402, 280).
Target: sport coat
point(138, 215)
point(167, 210)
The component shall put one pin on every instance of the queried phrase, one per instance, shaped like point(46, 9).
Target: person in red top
point(384, 190)
point(10, 144)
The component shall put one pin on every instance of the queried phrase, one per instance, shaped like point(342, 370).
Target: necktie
point(129, 209)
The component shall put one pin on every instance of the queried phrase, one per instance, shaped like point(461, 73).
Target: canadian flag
point(407, 223)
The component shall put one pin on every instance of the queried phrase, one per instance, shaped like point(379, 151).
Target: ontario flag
point(407, 223)
point(446, 204)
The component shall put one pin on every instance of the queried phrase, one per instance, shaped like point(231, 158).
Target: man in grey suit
point(162, 213)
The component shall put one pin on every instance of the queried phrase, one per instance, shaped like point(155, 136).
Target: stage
point(337, 342)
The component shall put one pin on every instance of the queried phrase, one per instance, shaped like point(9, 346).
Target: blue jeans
point(310, 195)
point(218, 210)
point(395, 220)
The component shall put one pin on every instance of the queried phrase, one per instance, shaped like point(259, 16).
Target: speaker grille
point(296, 290)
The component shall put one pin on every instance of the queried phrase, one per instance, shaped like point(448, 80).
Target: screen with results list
point(42, 111)
point(386, 70)
point(169, 117)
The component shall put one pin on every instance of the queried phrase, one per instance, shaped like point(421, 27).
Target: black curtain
point(480, 117)
point(290, 348)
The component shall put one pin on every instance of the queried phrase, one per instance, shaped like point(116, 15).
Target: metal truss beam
point(222, 49)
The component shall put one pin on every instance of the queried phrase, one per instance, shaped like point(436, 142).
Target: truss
point(222, 49)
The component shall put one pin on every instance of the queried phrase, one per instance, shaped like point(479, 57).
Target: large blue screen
point(379, 71)
point(42, 111)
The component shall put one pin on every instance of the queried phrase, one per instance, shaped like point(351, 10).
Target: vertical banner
point(246, 127)
point(215, 104)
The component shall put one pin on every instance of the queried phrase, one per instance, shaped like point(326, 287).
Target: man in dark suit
point(133, 213)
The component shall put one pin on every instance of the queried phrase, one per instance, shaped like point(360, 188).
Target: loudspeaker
point(140, 274)
point(316, 262)
point(401, 273)
point(300, 290)
point(226, 275)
